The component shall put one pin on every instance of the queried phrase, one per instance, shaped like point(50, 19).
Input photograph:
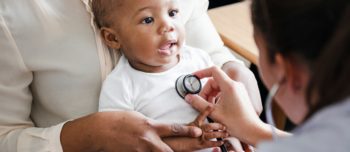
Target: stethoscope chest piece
point(188, 84)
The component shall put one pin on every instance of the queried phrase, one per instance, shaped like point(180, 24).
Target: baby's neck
point(154, 69)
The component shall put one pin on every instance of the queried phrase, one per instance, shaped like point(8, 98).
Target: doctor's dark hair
point(311, 32)
point(330, 81)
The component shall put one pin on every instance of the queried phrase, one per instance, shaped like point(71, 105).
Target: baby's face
point(150, 33)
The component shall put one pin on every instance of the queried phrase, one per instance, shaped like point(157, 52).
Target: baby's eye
point(148, 20)
point(173, 13)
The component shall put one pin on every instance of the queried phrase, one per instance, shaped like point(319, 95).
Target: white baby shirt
point(152, 94)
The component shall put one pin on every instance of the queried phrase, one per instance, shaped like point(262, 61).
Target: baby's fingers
point(209, 143)
point(213, 126)
point(215, 134)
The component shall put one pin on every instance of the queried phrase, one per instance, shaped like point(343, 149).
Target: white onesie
point(153, 94)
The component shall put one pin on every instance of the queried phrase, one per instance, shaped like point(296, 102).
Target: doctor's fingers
point(198, 102)
point(210, 90)
point(219, 76)
point(199, 121)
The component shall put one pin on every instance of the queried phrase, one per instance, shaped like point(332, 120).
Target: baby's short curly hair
point(102, 9)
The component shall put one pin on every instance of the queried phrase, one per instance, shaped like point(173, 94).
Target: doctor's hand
point(238, 72)
point(233, 107)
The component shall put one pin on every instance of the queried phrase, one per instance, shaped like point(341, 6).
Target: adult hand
point(240, 73)
point(233, 107)
point(120, 131)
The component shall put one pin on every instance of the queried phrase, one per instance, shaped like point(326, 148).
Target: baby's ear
point(109, 37)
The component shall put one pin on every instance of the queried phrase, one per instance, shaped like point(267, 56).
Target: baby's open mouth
point(172, 44)
point(167, 48)
point(168, 45)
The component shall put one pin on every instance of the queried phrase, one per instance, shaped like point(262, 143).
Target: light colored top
point(234, 24)
point(152, 94)
point(327, 131)
point(52, 66)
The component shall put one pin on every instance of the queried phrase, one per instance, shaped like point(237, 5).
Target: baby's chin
point(166, 52)
point(169, 61)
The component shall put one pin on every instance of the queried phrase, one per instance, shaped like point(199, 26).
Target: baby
point(150, 36)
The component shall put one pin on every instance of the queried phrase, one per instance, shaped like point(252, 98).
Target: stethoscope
point(191, 84)
point(268, 106)
point(188, 84)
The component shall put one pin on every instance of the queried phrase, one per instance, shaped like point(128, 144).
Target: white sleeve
point(17, 130)
point(204, 57)
point(115, 93)
point(208, 59)
point(201, 33)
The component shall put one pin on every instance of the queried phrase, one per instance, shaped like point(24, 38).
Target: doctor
point(304, 61)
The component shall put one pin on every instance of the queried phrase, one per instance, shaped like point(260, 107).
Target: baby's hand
point(213, 130)
point(209, 131)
